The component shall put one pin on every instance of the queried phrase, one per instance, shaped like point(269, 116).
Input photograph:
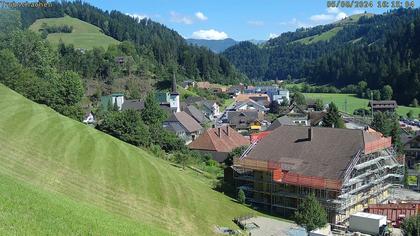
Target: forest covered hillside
point(165, 52)
point(379, 49)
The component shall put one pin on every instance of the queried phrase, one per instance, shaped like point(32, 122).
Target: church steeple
point(174, 91)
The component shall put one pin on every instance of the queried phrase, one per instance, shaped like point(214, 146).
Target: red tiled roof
point(223, 139)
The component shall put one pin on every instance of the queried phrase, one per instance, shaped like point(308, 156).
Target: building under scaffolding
point(345, 169)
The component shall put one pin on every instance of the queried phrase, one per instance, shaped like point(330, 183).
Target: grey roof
point(193, 99)
point(242, 119)
point(134, 104)
point(284, 120)
point(250, 102)
point(175, 127)
point(315, 117)
point(327, 154)
point(189, 123)
point(208, 103)
point(196, 114)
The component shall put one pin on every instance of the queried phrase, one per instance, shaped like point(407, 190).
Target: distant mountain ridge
point(221, 45)
point(214, 45)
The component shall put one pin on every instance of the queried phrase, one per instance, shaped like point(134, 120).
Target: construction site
point(345, 169)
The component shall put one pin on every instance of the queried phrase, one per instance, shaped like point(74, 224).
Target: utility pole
point(371, 103)
point(345, 105)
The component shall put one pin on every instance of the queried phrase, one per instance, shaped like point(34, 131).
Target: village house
point(245, 120)
point(211, 109)
point(184, 126)
point(218, 142)
point(345, 169)
point(235, 90)
point(313, 118)
point(274, 92)
point(411, 144)
point(249, 105)
point(383, 106)
point(188, 84)
point(89, 118)
point(133, 104)
point(117, 98)
point(262, 99)
point(198, 115)
point(203, 85)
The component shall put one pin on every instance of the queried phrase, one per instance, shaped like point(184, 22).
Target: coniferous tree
point(241, 196)
point(333, 117)
point(310, 214)
point(152, 113)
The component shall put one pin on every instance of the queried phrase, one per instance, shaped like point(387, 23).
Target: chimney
point(218, 132)
point(227, 130)
point(310, 134)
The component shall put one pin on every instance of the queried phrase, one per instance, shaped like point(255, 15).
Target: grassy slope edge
point(51, 154)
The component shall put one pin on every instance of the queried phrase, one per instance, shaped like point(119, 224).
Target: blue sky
point(237, 19)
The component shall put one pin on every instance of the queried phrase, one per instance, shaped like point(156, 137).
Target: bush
point(241, 196)
point(411, 226)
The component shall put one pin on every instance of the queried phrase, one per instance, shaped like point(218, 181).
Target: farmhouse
point(345, 169)
point(219, 142)
point(245, 120)
point(184, 126)
point(383, 106)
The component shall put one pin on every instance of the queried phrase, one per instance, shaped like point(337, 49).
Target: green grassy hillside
point(326, 36)
point(84, 35)
point(354, 102)
point(59, 177)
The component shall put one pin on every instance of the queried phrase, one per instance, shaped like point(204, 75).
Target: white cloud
point(137, 16)
point(257, 23)
point(321, 17)
point(179, 18)
point(340, 16)
point(358, 12)
point(332, 14)
point(209, 34)
point(333, 10)
point(201, 16)
point(272, 35)
point(295, 23)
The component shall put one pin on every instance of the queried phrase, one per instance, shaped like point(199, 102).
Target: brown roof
point(203, 85)
point(189, 123)
point(315, 117)
point(223, 139)
point(326, 154)
point(383, 104)
point(254, 96)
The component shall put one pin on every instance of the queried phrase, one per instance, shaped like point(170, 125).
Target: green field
point(84, 35)
point(326, 36)
point(354, 102)
point(60, 177)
